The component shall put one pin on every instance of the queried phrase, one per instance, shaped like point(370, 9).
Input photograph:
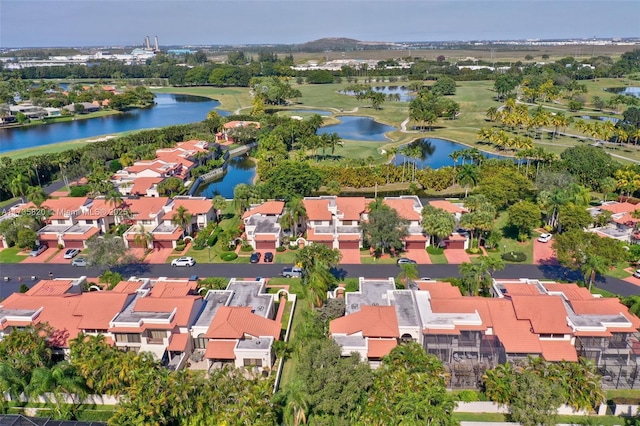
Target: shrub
point(180, 242)
point(213, 239)
point(246, 248)
point(79, 191)
point(468, 396)
point(514, 256)
point(280, 249)
point(180, 247)
point(473, 250)
point(228, 256)
point(60, 246)
point(435, 250)
point(293, 247)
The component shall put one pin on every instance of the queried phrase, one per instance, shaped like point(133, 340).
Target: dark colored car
point(268, 257)
point(255, 257)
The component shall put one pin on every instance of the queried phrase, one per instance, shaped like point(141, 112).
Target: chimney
point(147, 42)
point(157, 47)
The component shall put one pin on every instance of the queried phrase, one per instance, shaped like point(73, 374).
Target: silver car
point(79, 261)
point(36, 251)
point(71, 253)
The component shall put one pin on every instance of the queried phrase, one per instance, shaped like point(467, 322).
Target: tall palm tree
point(36, 195)
point(241, 196)
point(297, 404)
point(219, 203)
point(297, 214)
point(408, 274)
point(60, 381)
point(143, 237)
point(113, 198)
point(594, 265)
point(468, 176)
point(182, 218)
point(18, 186)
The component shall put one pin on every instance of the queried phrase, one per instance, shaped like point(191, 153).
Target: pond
point(633, 91)
point(404, 94)
point(600, 118)
point(240, 170)
point(309, 111)
point(358, 128)
point(434, 153)
point(170, 109)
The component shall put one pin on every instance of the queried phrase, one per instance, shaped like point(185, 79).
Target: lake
point(435, 153)
point(170, 109)
point(240, 170)
point(405, 95)
point(358, 128)
point(600, 118)
point(633, 91)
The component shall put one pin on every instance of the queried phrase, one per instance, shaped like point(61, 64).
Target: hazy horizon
point(69, 23)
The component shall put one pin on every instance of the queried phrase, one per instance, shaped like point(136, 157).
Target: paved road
point(25, 272)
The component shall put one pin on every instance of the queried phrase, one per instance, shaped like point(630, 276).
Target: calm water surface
point(358, 128)
point(435, 154)
point(170, 109)
point(633, 91)
point(240, 170)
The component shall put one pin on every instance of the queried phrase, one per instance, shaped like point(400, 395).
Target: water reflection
point(432, 152)
point(358, 128)
point(240, 170)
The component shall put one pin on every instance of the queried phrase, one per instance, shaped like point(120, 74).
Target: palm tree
point(297, 213)
point(219, 203)
point(594, 265)
point(18, 186)
point(408, 274)
point(59, 381)
point(113, 198)
point(493, 113)
point(297, 404)
point(241, 196)
point(182, 218)
point(437, 223)
point(36, 195)
point(143, 237)
point(468, 175)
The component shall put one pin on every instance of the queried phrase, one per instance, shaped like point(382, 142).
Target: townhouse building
point(262, 225)
point(524, 318)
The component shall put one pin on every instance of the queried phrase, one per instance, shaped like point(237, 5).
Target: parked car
point(183, 261)
point(79, 261)
point(268, 257)
point(293, 272)
point(71, 253)
point(544, 238)
point(36, 251)
point(255, 257)
point(403, 260)
point(636, 274)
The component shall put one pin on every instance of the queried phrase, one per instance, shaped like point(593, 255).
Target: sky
point(49, 23)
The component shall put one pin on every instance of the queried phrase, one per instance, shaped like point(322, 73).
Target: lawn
point(11, 255)
point(232, 99)
point(367, 259)
point(496, 417)
point(508, 242)
point(438, 259)
point(286, 257)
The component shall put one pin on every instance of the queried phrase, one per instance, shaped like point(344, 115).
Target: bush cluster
point(514, 256)
point(228, 256)
point(246, 248)
point(280, 249)
point(435, 250)
point(180, 247)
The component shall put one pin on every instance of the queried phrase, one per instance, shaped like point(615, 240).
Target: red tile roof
point(173, 288)
point(233, 124)
point(547, 314)
point(371, 321)
point(404, 207)
point(351, 207)
point(620, 207)
point(64, 207)
point(194, 206)
point(558, 350)
point(178, 342)
point(447, 206)
point(99, 208)
point(380, 347)
point(317, 209)
point(220, 349)
point(50, 288)
point(142, 208)
point(266, 208)
point(97, 309)
point(571, 290)
point(515, 335)
point(127, 287)
point(234, 322)
point(440, 290)
point(142, 184)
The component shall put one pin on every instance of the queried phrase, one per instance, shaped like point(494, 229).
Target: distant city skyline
point(60, 23)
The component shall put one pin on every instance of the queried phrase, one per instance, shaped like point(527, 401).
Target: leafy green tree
point(241, 196)
point(220, 204)
point(385, 228)
point(503, 186)
point(444, 86)
point(107, 251)
point(573, 216)
point(291, 179)
point(590, 165)
point(26, 238)
point(409, 388)
point(315, 259)
point(574, 247)
point(524, 216)
point(479, 275)
point(56, 384)
point(171, 186)
point(408, 273)
point(535, 401)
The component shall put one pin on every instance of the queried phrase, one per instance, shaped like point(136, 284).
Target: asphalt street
point(17, 274)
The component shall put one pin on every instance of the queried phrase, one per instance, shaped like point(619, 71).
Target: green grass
point(367, 259)
point(438, 259)
point(286, 257)
point(285, 316)
point(496, 417)
point(508, 244)
point(231, 99)
point(619, 271)
point(11, 255)
point(622, 393)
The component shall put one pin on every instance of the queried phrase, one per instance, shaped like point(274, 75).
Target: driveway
point(419, 255)
point(633, 280)
point(59, 258)
point(543, 253)
point(456, 256)
point(158, 255)
point(350, 256)
point(41, 258)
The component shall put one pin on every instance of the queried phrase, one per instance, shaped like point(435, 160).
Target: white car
point(544, 238)
point(71, 253)
point(183, 261)
point(636, 274)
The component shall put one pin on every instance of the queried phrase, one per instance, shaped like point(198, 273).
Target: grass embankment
point(233, 99)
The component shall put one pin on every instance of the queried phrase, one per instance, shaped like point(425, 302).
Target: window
point(157, 334)
point(347, 222)
point(201, 342)
point(252, 361)
point(127, 338)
